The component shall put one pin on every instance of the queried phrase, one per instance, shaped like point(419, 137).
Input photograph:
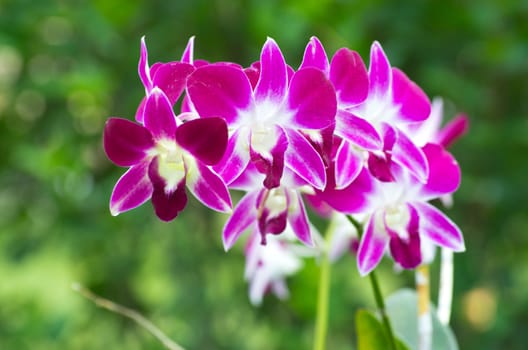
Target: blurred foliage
point(66, 65)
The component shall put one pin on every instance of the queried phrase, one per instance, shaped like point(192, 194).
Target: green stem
point(323, 293)
point(381, 306)
point(377, 292)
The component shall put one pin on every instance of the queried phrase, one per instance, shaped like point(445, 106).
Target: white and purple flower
point(265, 120)
point(164, 156)
point(399, 216)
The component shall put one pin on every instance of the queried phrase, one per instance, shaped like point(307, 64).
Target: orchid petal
point(218, 90)
point(244, 214)
point(273, 80)
point(444, 172)
point(436, 226)
point(235, 158)
point(188, 53)
point(352, 199)
point(406, 252)
point(168, 199)
point(253, 74)
point(159, 117)
point(348, 163)
point(349, 76)
point(380, 167)
point(407, 154)
point(453, 130)
point(315, 56)
point(131, 190)
point(312, 99)
point(143, 66)
point(205, 139)
point(380, 77)
point(414, 103)
point(269, 162)
point(303, 159)
point(372, 245)
point(358, 131)
point(171, 79)
point(126, 143)
point(298, 220)
point(140, 112)
point(208, 187)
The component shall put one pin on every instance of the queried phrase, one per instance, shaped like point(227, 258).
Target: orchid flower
point(164, 156)
point(267, 266)
point(265, 120)
point(398, 215)
point(269, 210)
point(373, 110)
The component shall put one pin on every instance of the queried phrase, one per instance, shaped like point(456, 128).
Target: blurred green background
point(65, 66)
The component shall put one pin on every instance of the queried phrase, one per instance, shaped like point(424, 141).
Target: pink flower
point(268, 266)
point(264, 120)
point(398, 215)
point(164, 157)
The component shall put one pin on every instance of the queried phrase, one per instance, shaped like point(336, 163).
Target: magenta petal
point(380, 76)
point(349, 76)
point(159, 117)
point(414, 103)
point(303, 159)
point(209, 188)
point(453, 130)
point(205, 139)
point(131, 190)
point(244, 214)
point(315, 56)
point(380, 167)
point(167, 203)
point(444, 172)
point(235, 159)
point(312, 98)
point(188, 53)
point(143, 66)
point(407, 252)
point(273, 81)
point(358, 131)
point(439, 228)
point(275, 224)
point(298, 220)
point(171, 78)
point(407, 154)
point(274, 167)
point(352, 199)
point(348, 164)
point(126, 143)
point(219, 90)
point(372, 246)
point(140, 112)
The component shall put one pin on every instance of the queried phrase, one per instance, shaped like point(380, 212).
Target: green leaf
point(402, 311)
point(372, 334)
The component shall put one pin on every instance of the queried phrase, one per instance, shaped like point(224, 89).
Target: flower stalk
point(323, 292)
point(445, 292)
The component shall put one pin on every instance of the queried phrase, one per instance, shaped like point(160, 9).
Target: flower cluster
point(356, 141)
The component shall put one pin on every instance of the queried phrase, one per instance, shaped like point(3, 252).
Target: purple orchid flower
point(164, 157)
point(355, 135)
point(270, 211)
point(264, 121)
point(399, 216)
point(268, 266)
point(373, 109)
